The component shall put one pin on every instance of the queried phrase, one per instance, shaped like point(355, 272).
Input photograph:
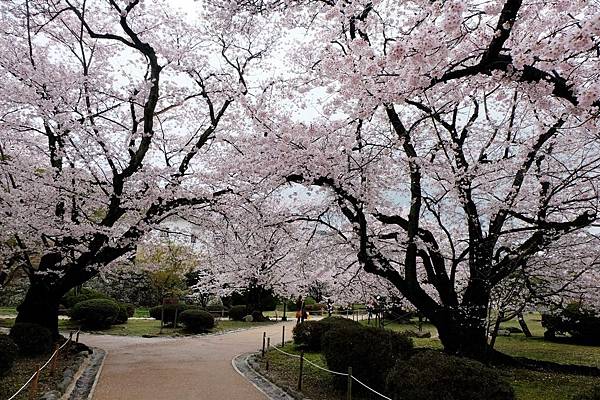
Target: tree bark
point(524, 326)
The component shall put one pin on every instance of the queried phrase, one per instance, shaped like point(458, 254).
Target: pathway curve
point(196, 368)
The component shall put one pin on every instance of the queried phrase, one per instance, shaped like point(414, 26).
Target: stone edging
point(247, 366)
point(84, 381)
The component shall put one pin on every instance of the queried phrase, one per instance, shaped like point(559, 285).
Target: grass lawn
point(8, 310)
point(529, 385)
point(151, 327)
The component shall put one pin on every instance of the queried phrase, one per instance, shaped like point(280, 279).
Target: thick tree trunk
point(524, 326)
point(464, 340)
point(40, 306)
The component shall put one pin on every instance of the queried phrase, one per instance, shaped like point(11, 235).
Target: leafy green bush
point(197, 321)
point(237, 313)
point(96, 313)
point(579, 321)
point(371, 353)
point(8, 353)
point(169, 312)
point(433, 375)
point(31, 339)
point(70, 299)
point(130, 309)
point(122, 315)
point(589, 394)
point(309, 334)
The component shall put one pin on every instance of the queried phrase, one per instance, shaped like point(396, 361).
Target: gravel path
point(196, 368)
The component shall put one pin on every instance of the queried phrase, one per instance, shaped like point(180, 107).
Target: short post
point(54, 362)
point(301, 368)
point(34, 385)
point(283, 336)
point(77, 337)
point(263, 344)
point(268, 347)
point(349, 393)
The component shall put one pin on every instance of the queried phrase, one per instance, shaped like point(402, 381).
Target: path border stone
point(245, 365)
point(86, 378)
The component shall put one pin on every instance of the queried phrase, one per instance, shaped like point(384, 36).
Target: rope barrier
point(332, 372)
point(371, 389)
point(41, 368)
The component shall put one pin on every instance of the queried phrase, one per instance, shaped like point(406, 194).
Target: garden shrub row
point(386, 361)
point(577, 320)
point(169, 311)
point(309, 334)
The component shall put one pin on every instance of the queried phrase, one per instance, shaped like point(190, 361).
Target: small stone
point(51, 395)
point(503, 332)
point(64, 384)
point(68, 373)
point(248, 318)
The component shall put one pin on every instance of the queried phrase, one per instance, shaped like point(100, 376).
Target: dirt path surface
point(196, 368)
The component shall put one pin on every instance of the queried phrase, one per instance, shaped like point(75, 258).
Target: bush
point(169, 312)
point(589, 394)
point(70, 299)
point(433, 375)
point(96, 313)
point(8, 354)
point(122, 315)
point(371, 353)
point(257, 316)
point(130, 309)
point(197, 321)
point(31, 339)
point(237, 313)
point(577, 320)
point(309, 334)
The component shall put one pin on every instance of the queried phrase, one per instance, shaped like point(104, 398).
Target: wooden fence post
point(54, 361)
point(263, 344)
point(268, 347)
point(301, 368)
point(283, 336)
point(349, 392)
point(77, 337)
point(34, 385)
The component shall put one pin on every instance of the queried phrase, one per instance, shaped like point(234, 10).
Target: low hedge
point(8, 354)
point(237, 313)
point(197, 321)
point(96, 313)
point(122, 315)
point(31, 339)
point(309, 334)
point(371, 353)
point(433, 375)
point(70, 299)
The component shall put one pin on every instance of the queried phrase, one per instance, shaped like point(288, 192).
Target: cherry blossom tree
point(114, 116)
point(458, 140)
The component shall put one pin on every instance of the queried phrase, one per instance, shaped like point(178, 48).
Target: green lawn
point(150, 327)
point(8, 311)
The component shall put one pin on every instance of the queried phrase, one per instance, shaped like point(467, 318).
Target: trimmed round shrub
point(237, 313)
point(31, 339)
point(433, 375)
point(8, 353)
point(96, 313)
point(197, 321)
point(70, 299)
point(257, 316)
point(169, 312)
point(309, 334)
point(581, 322)
point(589, 394)
point(130, 309)
point(122, 315)
point(371, 353)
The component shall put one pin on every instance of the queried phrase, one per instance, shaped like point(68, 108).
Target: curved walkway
point(196, 368)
